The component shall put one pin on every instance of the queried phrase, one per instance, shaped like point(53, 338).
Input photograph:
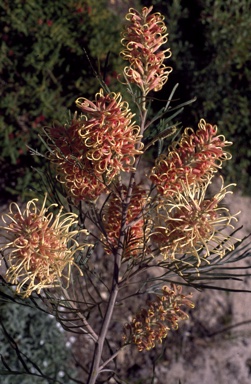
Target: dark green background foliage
point(43, 69)
point(211, 45)
point(38, 337)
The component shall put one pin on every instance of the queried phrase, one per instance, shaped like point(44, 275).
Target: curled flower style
point(73, 169)
point(39, 246)
point(197, 155)
point(135, 234)
point(90, 151)
point(193, 224)
point(152, 324)
point(145, 33)
point(109, 136)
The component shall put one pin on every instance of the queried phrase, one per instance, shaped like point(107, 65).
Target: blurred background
point(50, 52)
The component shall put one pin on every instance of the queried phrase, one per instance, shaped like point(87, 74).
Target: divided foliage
point(34, 336)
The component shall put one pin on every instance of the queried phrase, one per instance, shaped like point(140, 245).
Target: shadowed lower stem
point(97, 355)
point(95, 368)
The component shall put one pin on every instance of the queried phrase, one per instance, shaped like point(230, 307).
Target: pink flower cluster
point(40, 246)
point(134, 219)
point(145, 33)
point(151, 324)
point(190, 160)
point(108, 133)
point(72, 168)
point(95, 147)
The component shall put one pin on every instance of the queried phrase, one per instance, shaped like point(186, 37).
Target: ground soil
point(214, 346)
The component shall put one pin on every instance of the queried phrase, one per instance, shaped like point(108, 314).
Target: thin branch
point(111, 358)
point(90, 330)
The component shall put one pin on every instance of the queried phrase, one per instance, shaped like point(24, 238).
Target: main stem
point(97, 355)
point(94, 372)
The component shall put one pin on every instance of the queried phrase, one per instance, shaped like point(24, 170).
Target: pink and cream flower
point(152, 324)
point(110, 138)
point(38, 246)
point(73, 169)
point(190, 160)
point(145, 33)
point(95, 147)
point(194, 224)
point(136, 232)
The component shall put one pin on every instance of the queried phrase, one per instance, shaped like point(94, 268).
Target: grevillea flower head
point(38, 246)
point(90, 151)
point(110, 137)
point(190, 160)
point(145, 33)
point(136, 231)
point(152, 324)
point(194, 224)
point(73, 169)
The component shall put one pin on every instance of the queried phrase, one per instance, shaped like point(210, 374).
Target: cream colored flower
point(192, 223)
point(39, 246)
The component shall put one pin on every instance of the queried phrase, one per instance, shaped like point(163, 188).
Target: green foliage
point(211, 45)
point(43, 69)
point(38, 338)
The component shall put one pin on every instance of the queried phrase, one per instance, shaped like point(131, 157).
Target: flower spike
point(193, 224)
point(145, 33)
point(95, 147)
point(135, 234)
point(152, 324)
point(110, 137)
point(191, 160)
point(73, 169)
point(39, 246)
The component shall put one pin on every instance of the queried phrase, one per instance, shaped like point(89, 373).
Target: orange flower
point(73, 169)
point(95, 147)
point(108, 134)
point(197, 155)
point(193, 224)
point(151, 325)
point(37, 245)
point(144, 35)
point(112, 222)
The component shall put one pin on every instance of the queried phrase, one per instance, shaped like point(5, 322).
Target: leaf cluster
point(30, 339)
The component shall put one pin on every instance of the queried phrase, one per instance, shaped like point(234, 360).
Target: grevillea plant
point(109, 256)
